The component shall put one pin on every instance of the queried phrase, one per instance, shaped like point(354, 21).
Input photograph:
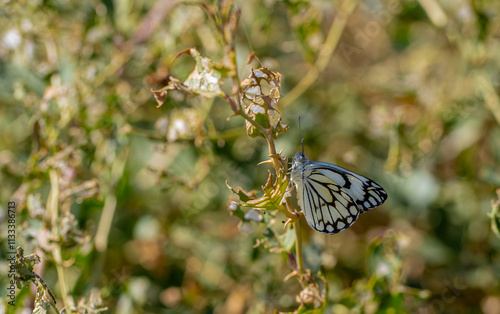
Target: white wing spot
point(329, 228)
point(321, 226)
point(353, 210)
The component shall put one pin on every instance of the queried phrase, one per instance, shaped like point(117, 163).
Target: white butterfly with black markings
point(330, 196)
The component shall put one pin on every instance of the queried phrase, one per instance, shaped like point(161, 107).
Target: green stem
point(324, 54)
point(56, 253)
point(288, 209)
point(53, 216)
point(298, 247)
point(269, 139)
point(276, 161)
point(298, 237)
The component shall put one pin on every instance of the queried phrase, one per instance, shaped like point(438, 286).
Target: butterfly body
point(332, 197)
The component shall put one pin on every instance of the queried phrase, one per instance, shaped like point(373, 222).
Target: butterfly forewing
point(365, 192)
point(332, 197)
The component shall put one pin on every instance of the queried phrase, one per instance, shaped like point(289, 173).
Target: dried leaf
point(204, 80)
point(312, 299)
point(24, 274)
point(260, 94)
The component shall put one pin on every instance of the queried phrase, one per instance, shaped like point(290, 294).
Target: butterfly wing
point(365, 192)
point(332, 197)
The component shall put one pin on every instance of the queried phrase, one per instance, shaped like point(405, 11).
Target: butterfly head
point(298, 160)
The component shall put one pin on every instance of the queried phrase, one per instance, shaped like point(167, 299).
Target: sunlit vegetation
point(146, 145)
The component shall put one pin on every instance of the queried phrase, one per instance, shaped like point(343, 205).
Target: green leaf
point(495, 215)
point(24, 274)
point(272, 197)
point(287, 240)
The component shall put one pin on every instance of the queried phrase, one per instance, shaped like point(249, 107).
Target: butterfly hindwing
point(326, 210)
point(332, 197)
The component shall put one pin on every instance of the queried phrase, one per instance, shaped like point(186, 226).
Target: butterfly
point(330, 196)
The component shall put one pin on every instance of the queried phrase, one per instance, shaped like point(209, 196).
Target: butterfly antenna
point(301, 138)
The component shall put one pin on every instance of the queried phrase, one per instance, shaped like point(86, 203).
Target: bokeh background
point(407, 95)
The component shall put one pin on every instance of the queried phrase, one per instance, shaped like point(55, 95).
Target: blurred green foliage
point(126, 205)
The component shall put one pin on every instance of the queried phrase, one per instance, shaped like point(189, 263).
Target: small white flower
point(246, 228)
point(253, 215)
point(383, 269)
point(178, 128)
point(233, 206)
point(12, 39)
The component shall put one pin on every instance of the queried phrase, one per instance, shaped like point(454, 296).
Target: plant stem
point(288, 209)
point(324, 53)
point(298, 237)
point(56, 253)
point(53, 217)
point(275, 158)
point(298, 246)
point(269, 139)
point(486, 88)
